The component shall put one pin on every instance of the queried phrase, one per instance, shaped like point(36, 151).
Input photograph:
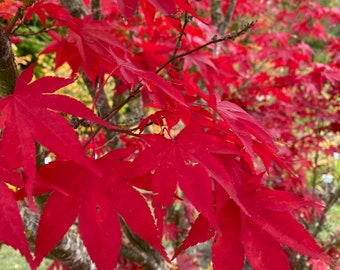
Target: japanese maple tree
point(162, 125)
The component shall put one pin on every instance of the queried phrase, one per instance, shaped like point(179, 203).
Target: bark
point(8, 68)
point(95, 8)
point(223, 26)
point(216, 15)
point(216, 12)
point(103, 108)
point(70, 251)
point(75, 7)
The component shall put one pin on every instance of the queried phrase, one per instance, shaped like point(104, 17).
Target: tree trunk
point(8, 69)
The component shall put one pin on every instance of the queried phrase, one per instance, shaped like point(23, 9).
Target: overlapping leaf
point(247, 128)
point(127, 8)
point(88, 45)
point(29, 115)
point(11, 225)
point(98, 202)
point(186, 161)
point(257, 233)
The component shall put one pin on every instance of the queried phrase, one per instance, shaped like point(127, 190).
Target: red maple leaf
point(11, 225)
point(128, 7)
point(8, 8)
point(30, 115)
point(88, 44)
point(188, 163)
point(98, 201)
point(161, 92)
point(253, 135)
point(256, 235)
point(51, 8)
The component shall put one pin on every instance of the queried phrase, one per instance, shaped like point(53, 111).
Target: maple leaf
point(11, 225)
point(29, 115)
point(8, 8)
point(51, 8)
point(11, 177)
point(89, 44)
point(240, 234)
point(201, 60)
point(98, 202)
point(245, 126)
point(260, 248)
point(187, 163)
point(186, 7)
point(228, 253)
point(166, 7)
point(128, 7)
point(159, 90)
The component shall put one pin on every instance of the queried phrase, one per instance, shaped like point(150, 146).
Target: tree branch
point(330, 202)
point(230, 36)
point(8, 68)
point(216, 12)
point(223, 26)
point(95, 8)
point(75, 7)
point(70, 251)
point(216, 15)
point(141, 251)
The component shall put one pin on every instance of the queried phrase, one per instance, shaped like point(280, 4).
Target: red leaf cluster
point(213, 111)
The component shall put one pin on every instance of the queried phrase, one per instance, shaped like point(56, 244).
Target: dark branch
point(223, 26)
point(8, 69)
point(216, 12)
point(95, 8)
point(231, 36)
point(70, 251)
point(75, 7)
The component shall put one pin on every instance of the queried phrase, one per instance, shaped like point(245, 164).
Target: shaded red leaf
point(200, 232)
point(277, 200)
point(26, 117)
point(162, 91)
point(93, 45)
point(166, 7)
point(262, 251)
point(12, 230)
point(97, 199)
point(61, 209)
point(135, 211)
point(181, 161)
point(99, 227)
point(245, 126)
point(50, 8)
point(127, 7)
point(227, 250)
point(286, 230)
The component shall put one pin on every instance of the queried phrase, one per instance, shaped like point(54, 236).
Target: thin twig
point(18, 15)
point(32, 33)
point(231, 36)
point(331, 201)
point(179, 39)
